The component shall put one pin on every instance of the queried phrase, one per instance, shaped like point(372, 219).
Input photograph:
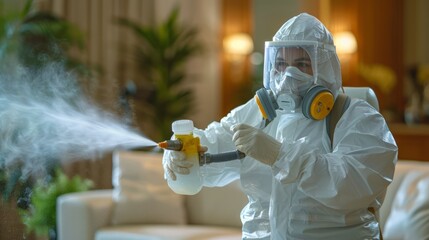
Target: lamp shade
point(345, 42)
point(239, 43)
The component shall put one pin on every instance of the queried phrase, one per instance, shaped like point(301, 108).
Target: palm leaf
point(26, 9)
point(161, 54)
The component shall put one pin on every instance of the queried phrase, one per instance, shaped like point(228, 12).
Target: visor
point(303, 55)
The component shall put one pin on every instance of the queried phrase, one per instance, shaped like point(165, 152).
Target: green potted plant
point(40, 216)
point(161, 55)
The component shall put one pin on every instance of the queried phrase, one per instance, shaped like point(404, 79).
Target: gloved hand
point(255, 143)
point(176, 163)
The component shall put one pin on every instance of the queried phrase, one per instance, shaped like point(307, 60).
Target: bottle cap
point(183, 126)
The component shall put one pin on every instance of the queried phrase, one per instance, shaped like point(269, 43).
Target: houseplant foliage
point(161, 55)
point(40, 217)
point(36, 37)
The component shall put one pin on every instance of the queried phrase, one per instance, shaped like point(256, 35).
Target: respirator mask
point(290, 81)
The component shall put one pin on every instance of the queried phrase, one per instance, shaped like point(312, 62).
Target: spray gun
point(186, 142)
point(204, 158)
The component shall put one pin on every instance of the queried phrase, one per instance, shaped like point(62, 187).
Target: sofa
point(141, 206)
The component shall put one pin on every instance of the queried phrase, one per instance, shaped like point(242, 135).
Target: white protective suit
point(311, 191)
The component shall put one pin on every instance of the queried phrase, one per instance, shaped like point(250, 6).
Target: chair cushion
point(409, 213)
point(168, 232)
point(220, 206)
point(140, 192)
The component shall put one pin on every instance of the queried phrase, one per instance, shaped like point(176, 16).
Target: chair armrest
point(79, 215)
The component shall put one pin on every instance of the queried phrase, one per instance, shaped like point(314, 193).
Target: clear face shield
point(290, 66)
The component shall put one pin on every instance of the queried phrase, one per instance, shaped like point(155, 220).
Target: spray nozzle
point(175, 145)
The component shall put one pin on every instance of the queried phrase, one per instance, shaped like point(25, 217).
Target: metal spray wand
point(205, 158)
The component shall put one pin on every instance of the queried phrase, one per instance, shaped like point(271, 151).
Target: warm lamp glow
point(238, 44)
point(345, 43)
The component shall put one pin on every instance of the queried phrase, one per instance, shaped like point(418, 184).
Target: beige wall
point(416, 32)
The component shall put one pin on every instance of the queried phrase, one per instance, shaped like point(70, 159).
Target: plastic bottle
point(191, 183)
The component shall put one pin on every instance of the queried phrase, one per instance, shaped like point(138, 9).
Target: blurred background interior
point(381, 44)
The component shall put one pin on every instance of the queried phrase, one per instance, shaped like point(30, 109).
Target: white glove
point(255, 143)
point(176, 163)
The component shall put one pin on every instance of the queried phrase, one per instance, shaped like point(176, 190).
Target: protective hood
point(308, 33)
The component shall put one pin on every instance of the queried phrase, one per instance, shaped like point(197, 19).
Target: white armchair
point(141, 206)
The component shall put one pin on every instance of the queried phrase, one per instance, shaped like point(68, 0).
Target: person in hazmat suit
point(300, 185)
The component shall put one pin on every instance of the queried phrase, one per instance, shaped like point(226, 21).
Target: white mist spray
point(44, 116)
